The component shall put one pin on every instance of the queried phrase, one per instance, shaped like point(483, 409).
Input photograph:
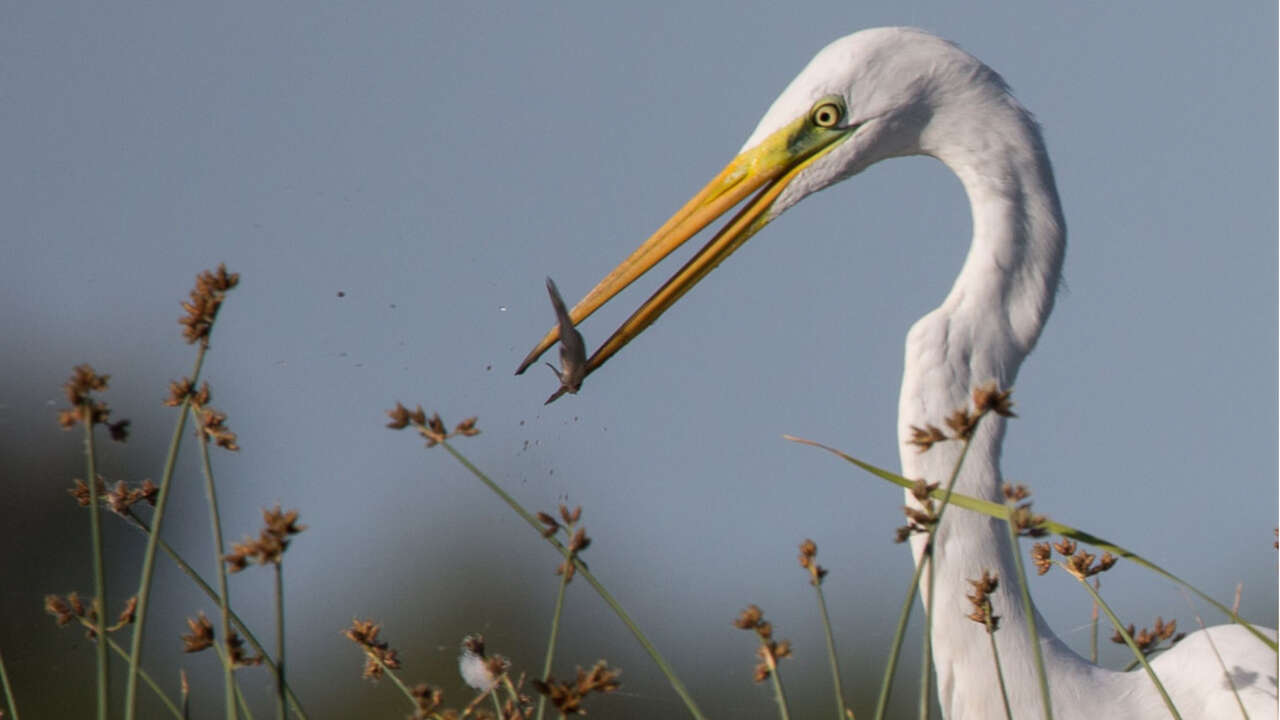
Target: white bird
point(891, 92)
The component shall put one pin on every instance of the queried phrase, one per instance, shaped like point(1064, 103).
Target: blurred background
point(394, 181)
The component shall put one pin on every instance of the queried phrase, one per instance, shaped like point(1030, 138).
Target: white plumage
point(891, 92)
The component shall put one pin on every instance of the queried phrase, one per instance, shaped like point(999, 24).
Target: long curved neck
point(983, 330)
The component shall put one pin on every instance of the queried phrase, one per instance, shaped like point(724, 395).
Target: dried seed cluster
point(211, 424)
point(1077, 562)
point(920, 519)
point(201, 638)
point(809, 561)
point(273, 540)
point(986, 398)
point(981, 601)
point(568, 697)
point(84, 408)
point(1148, 640)
point(206, 299)
point(427, 700)
point(576, 539)
point(1025, 522)
point(770, 651)
point(432, 428)
point(119, 498)
point(379, 657)
point(201, 635)
point(72, 607)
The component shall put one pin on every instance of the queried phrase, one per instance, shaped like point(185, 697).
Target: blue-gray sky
point(434, 161)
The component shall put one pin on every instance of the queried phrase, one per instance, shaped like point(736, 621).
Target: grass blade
point(1001, 512)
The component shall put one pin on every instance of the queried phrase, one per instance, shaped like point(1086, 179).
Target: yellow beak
point(770, 165)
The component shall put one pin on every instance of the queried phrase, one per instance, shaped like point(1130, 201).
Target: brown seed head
point(921, 490)
point(1015, 493)
point(433, 430)
point(179, 391)
point(808, 561)
point(1027, 523)
point(206, 299)
point(551, 525)
point(201, 635)
point(378, 655)
point(981, 601)
point(235, 651)
point(399, 417)
point(127, 615)
point(59, 608)
point(426, 699)
point(149, 491)
point(213, 426)
point(987, 398)
point(1042, 557)
point(924, 438)
point(80, 491)
point(121, 497)
point(748, 619)
point(466, 428)
point(568, 698)
point(962, 423)
point(281, 524)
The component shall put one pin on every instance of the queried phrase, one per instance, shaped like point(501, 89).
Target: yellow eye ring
point(827, 115)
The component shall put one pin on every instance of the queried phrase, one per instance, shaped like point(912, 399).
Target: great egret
point(891, 92)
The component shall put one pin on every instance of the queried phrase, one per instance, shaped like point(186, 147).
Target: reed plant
point(501, 688)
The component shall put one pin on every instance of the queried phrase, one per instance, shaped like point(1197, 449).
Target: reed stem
point(153, 538)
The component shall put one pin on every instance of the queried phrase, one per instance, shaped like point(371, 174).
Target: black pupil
point(825, 116)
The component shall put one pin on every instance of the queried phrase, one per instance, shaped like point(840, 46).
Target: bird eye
point(827, 114)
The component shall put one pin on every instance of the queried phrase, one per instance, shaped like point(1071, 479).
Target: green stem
point(208, 590)
point(512, 694)
point(661, 662)
point(900, 633)
point(8, 691)
point(399, 683)
point(1137, 654)
point(926, 661)
point(224, 594)
point(279, 669)
point(149, 557)
point(1004, 693)
point(1030, 614)
point(1001, 512)
point(886, 683)
point(99, 574)
point(926, 645)
point(225, 657)
point(1093, 626)
point(155, 688)
point(777, 688)
point(497, 704)
point(551, 643)
point(831, 653)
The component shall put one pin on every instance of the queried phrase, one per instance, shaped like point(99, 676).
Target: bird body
point(891, 92)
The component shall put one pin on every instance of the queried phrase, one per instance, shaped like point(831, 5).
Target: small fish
point(573, 351)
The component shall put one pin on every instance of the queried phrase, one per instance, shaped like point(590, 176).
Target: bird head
point(869, 96)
